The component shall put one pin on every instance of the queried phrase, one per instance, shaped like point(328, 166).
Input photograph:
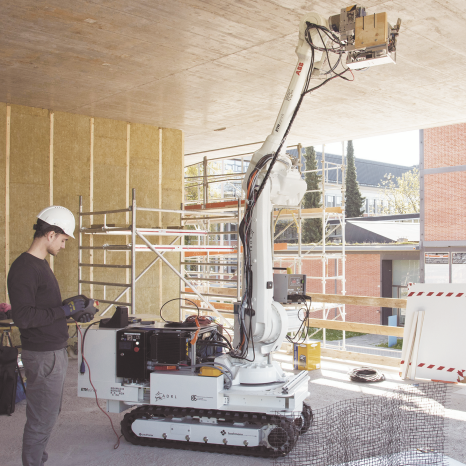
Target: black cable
point(212, 343)
point(177, 299)
point(299, 334)
point(366, 375)
point(82, 368)
point(226, 339)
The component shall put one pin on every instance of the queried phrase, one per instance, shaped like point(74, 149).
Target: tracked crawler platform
point(237, 433)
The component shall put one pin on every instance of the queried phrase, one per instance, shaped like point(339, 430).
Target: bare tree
point(402, 193)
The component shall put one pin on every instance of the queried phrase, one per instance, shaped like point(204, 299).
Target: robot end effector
point(369, 40)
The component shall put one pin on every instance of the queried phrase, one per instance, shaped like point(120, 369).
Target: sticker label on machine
point(117, 391)
point(186, 390)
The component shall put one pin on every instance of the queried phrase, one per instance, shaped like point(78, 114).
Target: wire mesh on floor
point(404, 428)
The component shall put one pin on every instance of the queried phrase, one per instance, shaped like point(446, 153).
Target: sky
point(399, 148)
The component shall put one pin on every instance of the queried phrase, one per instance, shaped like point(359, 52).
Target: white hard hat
point(59, 216)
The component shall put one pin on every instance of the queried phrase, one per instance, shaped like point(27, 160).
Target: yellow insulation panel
point(29, 173)
point(120, 160)
point(172, 197)
point(144, 176)
point(71, 172)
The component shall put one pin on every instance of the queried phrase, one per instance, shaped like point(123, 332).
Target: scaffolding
point(318, 251)
point(131, 248)
point(216, 273)
point(314, 252)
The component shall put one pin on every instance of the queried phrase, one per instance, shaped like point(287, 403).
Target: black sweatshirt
point(36, 304)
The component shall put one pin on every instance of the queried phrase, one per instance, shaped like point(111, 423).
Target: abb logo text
point(299, 68)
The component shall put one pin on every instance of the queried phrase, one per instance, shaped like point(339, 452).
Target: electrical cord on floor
point(117, 444)
point(366, 375)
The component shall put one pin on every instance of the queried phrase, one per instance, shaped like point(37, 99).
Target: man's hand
point(85, 318)
point(74, 307)
point(80, 308)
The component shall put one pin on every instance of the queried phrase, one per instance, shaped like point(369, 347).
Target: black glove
point(80, 308)
point(85, 318)
point(74, 307)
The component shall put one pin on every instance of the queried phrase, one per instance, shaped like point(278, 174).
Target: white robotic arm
point(272, 179)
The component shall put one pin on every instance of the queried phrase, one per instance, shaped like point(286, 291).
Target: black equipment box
point(169, 347)
point(140, 349)
point(289, 288)
point(133, 352)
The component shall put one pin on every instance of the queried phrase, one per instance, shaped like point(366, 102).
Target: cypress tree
point(354, 200)
point(312, 227)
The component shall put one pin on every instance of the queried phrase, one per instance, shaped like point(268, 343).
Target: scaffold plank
point(178, 248)
point(126, 230)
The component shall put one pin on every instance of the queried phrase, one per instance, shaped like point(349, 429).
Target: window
point(437, 267)
point(330, 200)
point(403, 272)
point(458, 267)
point(338, 203)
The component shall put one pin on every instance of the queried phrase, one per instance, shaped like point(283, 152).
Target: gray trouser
point(45, 373)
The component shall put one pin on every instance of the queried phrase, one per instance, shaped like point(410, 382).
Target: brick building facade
point(443, 190)
point(362, 278)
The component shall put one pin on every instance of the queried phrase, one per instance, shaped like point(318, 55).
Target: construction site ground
point(83, 436)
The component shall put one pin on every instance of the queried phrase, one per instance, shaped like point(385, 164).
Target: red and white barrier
point(435, 333)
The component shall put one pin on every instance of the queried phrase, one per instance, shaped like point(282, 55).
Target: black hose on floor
point(366, 375)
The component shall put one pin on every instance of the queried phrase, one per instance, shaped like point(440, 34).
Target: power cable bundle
point(303, 330)
point(366, 375)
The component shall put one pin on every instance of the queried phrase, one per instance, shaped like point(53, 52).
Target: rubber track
point(146, 412)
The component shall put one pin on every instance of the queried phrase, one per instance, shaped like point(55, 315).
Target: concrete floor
point(83, 435)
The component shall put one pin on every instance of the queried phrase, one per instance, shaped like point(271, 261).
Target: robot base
point(216, 431)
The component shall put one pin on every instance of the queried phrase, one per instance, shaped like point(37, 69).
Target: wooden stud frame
point(91, 200)
point(7, 199)
point(51, 116)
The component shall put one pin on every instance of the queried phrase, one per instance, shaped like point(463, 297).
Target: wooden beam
point(127, 190)
point(358, 300)
point(360, 357)
point(91, 199)
point(51, 116)
point(357, 327)
point(314, 210)
point(160, 219)
point(7, 199)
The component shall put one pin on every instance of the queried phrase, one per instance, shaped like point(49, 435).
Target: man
point(38, 312)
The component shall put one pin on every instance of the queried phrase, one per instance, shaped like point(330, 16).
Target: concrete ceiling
point(204, 65)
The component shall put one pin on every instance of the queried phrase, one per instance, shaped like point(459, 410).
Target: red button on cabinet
point(136, 349)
